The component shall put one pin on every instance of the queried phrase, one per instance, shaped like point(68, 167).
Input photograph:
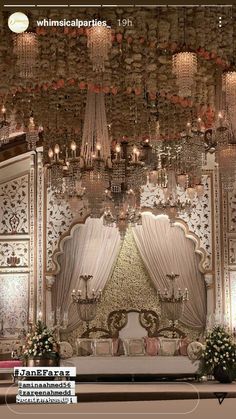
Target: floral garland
point(120, 39)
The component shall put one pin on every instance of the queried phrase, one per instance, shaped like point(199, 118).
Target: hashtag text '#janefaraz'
point(40, 372)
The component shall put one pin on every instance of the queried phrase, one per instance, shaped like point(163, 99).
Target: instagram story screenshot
point(117, 209)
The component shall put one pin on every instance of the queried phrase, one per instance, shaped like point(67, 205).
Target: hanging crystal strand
point(99, 44)
point(55, 164)
point(32, 134)
point(95, 131)
point(26, 51)
point(229, 81)
point(226, 158)
point(102, 129)
point(4, 128)
point(226, 124)
point(229, 87)
point(95, 152)
point(184, 66)
point(88, 146)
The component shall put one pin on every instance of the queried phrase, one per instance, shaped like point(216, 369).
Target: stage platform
point(121, 392)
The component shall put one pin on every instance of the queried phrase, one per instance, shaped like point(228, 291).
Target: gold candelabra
point(173, 301)
point(86, 304)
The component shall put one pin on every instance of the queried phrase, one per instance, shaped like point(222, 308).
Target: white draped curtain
point(92, 250)
point(165, 249)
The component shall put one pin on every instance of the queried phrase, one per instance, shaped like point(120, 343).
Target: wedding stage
point(128, 366)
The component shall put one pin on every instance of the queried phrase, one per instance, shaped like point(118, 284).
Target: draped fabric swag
point(93, 250)
point(165, 249)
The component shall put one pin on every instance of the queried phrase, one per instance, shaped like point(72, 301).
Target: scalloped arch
point(178, 223)
point(197, 247)
point(63, 239)
point(196, 240)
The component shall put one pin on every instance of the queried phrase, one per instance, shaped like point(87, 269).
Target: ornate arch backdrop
point(93, 249)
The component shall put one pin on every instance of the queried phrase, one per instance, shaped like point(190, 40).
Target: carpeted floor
point(114, 392)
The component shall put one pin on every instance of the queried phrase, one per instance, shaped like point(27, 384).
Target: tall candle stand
point(59, 323)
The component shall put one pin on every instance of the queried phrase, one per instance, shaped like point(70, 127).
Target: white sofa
point(159, 365)
point(133, 365)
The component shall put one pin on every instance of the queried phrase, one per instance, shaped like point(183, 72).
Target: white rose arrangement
point(220, 351)
point(40, 343)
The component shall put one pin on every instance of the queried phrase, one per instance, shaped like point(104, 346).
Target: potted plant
point(41, 349)
point(219, 355)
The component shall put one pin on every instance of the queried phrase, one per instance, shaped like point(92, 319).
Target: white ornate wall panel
point(233, 298)
point(59, 219)
point(230, 245)
point(13, 304)
point(232, 252)
point(14, 255)
point(232, 212)
point(17, 243)
point(14, 210)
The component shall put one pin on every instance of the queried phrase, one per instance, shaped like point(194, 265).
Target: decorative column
point(232, 254)
point(219, 299)
point(210, 300)
point(233, 299)
point(32, 218)
point(40, 235)
point(50, 279)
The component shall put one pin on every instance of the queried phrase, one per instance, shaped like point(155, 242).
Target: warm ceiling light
point(229, 87)
point(26, 51)
point(99, 44)
point(184, 66)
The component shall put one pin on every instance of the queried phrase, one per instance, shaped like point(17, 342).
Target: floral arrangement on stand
point(219, 356)
point(41, 344)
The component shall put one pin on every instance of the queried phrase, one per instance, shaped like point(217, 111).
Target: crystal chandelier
point(95, 153)
point(63, 165)
point(76, 172)
point(168, 202)
point(220, 134)
point(95, 138)
point(122, 213)
point(127, 175)
point(86, 304)
point(107, 180)
point(26, 51)
point(226, 158)
point(184, 66)
point(179, 165)
point(172, 207)
point(191, 156)
point(229, 87)
point(177, 175)
point(32, 135)
point(172, 301)
point(4, 128)
point(99, 44)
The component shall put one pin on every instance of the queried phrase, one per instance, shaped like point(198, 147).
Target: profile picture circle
point(18, 22)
